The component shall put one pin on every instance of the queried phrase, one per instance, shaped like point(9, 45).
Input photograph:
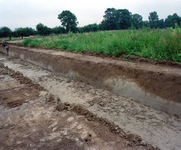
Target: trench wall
point(154, 86)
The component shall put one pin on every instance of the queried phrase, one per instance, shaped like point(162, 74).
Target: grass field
point(156, 43)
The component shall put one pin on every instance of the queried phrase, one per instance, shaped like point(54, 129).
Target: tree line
point(113, 19)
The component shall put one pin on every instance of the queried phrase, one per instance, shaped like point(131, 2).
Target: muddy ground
point(33, 118)
point(75, 115)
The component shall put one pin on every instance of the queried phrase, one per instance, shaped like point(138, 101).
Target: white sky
point(28, 13)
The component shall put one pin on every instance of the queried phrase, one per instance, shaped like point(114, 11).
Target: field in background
point(157, 43)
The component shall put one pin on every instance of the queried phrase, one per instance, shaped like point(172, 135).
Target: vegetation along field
point(120, 32)
point(145, 42)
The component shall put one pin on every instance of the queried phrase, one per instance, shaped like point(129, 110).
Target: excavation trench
point(156, 86)
point(21, 97)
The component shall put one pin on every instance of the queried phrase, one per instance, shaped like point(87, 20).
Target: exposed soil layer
point(122, 57)
point(126, 115)
point(163, 80)
point(45, 122)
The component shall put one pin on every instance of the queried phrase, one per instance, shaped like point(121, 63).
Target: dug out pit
point(154, 85)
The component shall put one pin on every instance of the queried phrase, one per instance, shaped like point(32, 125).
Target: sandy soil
point(155, 127)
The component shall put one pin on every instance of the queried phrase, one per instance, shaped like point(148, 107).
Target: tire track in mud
point(122, 112)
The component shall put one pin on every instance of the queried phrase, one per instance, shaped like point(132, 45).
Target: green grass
point(157, 44)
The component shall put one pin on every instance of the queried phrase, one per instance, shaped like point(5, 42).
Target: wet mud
point(164, 82)
point(115, 115)
point(157, 86)
point(33, 118)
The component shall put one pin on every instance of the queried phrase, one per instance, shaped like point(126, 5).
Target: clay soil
point(33, 118)
point(40, 109)
point(161, 78)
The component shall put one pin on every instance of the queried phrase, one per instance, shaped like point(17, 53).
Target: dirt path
point(155, 127)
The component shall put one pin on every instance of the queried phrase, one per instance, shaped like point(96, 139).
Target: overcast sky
point(28, 13)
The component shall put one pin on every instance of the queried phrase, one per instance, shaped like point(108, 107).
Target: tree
point(28, 31)
point(40, 28)
point(103, 25)
point(47, 30)
point(110, 18)
point(89, 28)
point(58, 30)
point(172, 19)
point(23, 32)
point(137, 21)
point(124, 19)
point(168, 21)
point(68, 20)
point(117, 19)
point(20, 32)
point(43, 30)
point(175, 20)
point(153, 19)
point(146, 23)
point(161, 24)
point(5, 32)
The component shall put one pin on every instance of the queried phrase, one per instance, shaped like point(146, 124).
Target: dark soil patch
point(16, 97)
